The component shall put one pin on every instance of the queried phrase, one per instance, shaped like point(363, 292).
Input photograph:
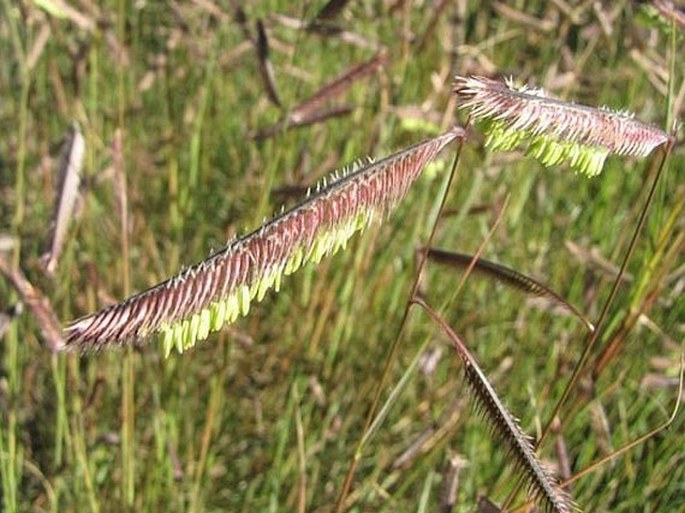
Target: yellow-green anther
point(192, 331)
point(316, 252)
point(179, 331)
point(263, 284)
point(168, 340)
point(219, 315)
point(232, 307)
point(295, 261)
point(205, 324)
point(244, 299)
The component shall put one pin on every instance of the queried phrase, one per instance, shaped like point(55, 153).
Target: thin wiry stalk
point(509, 277)
point(554, 130)
point(657, 165)
point(201, 299)
point(503, 424)
point(371, 414)
point(633, 443)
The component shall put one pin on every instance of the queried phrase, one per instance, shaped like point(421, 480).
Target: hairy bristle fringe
point(502, 424)
point(538, 479)
point(509, 277)
point(554, 130)
point(204, 297)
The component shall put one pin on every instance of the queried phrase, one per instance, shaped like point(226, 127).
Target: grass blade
point(336, 87)
point(318, 116)
point(71, 162)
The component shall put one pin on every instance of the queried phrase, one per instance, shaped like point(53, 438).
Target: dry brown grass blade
point(336, 87)
point(71, 162)
point(61, 9)
point(593, 258)
point(319, 116)
point(504, 425)
point(450, 483)
point(507, 276)
point(213, 9)
point(38, 304)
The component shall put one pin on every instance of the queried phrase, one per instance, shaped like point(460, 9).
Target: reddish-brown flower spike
point(201, 299)
point(553, 130)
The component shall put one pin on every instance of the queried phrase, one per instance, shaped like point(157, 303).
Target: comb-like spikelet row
point(554, 130)
point(204, 297)
point(501, 423)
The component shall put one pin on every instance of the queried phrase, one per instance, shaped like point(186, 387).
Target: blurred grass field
point(266, 414)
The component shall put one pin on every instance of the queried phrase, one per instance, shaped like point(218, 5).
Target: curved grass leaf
point(507, 276)
point(204, 297)
point(553, 130)
point(504, 425)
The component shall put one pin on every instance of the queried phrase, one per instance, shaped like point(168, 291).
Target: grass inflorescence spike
point(539, 480)
point(507, 276)
point(208, 295)
point(552, 130)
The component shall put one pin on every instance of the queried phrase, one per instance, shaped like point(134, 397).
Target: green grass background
point(266, 415)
